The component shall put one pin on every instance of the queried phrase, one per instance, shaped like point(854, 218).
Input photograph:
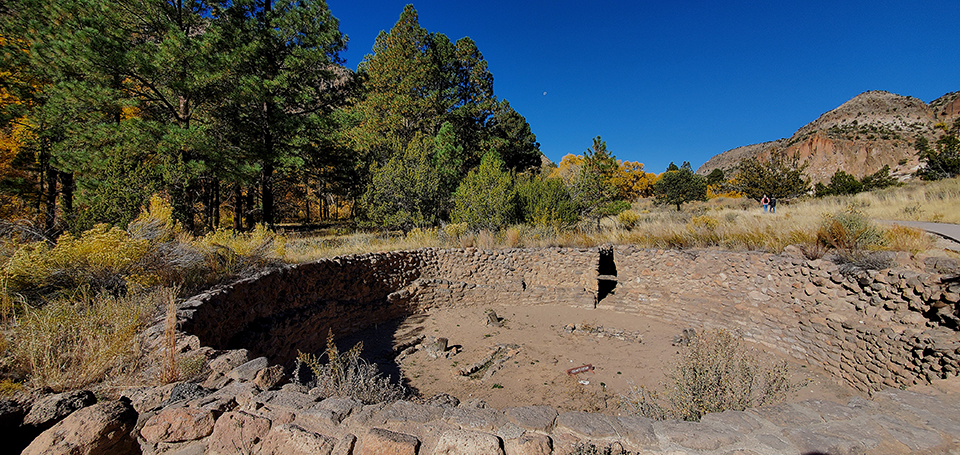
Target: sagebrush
point(714, 373)
point(348, 375)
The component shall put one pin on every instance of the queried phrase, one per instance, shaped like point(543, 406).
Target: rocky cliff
point(871, 130)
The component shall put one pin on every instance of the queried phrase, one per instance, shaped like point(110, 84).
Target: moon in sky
point(544, 93)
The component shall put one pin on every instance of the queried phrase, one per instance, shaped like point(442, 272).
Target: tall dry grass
point(736, 224)
point(79, 340)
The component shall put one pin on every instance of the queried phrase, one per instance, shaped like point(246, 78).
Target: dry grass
point(728, 223)
point(73, 342)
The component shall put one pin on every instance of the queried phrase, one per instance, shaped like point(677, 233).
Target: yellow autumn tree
point(568, 169)
point(632, 182)
point(13, 136)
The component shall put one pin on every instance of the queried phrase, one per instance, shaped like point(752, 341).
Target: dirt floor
point(538, 345)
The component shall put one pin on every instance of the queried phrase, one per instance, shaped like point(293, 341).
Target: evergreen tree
point(943, 159)
point(781, 177)
point(284, 86)
point(879, 179)
point(545, 201)
point(416, 81)
point(485, 198)
point(680, 186)
point(405, 191)
point(594, 190)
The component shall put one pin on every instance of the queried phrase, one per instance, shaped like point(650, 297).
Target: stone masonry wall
point(281, 312)
point(874, 329)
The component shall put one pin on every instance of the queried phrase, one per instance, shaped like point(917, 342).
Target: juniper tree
point(680, 186)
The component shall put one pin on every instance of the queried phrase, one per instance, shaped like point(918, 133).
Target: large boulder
point(101, 429)
point(49, 410)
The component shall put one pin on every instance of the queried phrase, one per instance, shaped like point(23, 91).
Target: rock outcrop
point(871, 130)
point(101, 429)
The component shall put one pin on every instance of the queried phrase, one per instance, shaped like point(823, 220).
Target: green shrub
point(546, 202)
point(855, 240)
point(714, 373)
point(485, 198)
point(849, 230)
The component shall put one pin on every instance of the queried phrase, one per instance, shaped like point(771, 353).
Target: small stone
point(269, 377)
point(293, 440)
point(248, 371)
point(529, 444)
point(237, 430)
point(178, 425)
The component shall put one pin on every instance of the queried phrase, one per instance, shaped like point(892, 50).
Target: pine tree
point(285, 83)
point(680, 186)
point(594, 190)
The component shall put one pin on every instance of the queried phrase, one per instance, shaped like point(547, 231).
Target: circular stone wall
point(874, 329)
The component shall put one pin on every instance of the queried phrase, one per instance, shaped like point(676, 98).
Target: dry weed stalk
point(170, 372)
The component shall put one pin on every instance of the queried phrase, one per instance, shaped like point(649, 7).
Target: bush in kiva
point(715, 372)
point(347, 375)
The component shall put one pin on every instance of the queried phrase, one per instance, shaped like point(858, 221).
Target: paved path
point(950, 231)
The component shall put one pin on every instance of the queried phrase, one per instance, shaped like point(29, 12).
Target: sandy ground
point(544, 351)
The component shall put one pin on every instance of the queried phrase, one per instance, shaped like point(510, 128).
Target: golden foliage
point(715, 191)
point(568, 169)
point(100, 253)
point(632, 182)
point(902, 238)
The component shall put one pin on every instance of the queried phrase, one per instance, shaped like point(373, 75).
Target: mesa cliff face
point(871, 130)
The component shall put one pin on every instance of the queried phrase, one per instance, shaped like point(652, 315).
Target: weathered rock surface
point(51, 409)
point(100, 429)
point(860, 136)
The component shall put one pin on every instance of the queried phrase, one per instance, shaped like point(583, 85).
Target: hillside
point(873, 129)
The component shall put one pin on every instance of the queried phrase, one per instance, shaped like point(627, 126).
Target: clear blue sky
point(666, 81)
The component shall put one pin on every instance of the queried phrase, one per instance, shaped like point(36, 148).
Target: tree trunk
point(50, 199)
point(266, 194)
point(238, 207)
point(216, 203)
point(67, 187)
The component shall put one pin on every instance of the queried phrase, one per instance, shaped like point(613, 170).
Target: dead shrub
point(903, 238)
point(348, 375)
point(715, 372)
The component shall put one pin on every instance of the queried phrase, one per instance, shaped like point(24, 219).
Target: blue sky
point(665, 81)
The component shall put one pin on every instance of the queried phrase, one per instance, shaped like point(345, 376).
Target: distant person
point(765, 202)
point(773, 205)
